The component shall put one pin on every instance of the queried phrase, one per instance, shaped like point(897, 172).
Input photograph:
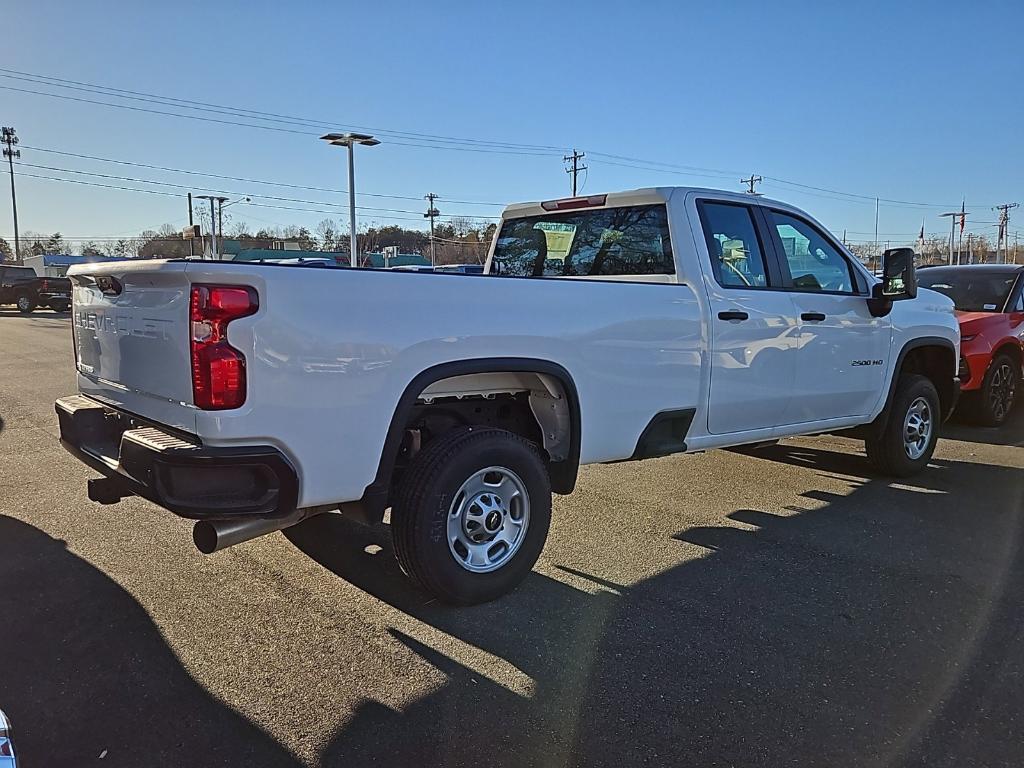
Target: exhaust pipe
point(212, 536)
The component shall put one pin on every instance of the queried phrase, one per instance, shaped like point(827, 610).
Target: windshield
point(970, 291)
point(608, 241)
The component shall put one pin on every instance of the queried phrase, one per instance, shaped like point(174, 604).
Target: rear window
point(603, 242)
point(20, 273)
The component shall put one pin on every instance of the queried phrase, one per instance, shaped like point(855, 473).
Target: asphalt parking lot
point(721, 609)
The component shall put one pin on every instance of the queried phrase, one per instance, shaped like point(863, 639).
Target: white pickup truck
point(605, 328)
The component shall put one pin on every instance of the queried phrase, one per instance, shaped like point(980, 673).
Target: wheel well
point(938, 363)
point(1012, 349)
point(534, 398)
point(533, 405)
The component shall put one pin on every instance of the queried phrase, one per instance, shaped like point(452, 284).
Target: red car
point(990, 304)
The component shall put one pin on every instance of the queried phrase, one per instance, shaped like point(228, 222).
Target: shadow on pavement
point(84, 670)
point(41, 313)
point(1011, 433)
point(874, 628)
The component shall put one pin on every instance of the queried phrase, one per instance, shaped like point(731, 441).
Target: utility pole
point(191, 223)
point(750, 183)
point(970, 253)
point(431, 214)
point(213, 223)
point(875, 249)
point(576, 156)
point(10, 139)
point(1004, 229)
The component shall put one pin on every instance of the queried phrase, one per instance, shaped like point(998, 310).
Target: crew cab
point(606, 328)
point(23, 288)
point(989, 299)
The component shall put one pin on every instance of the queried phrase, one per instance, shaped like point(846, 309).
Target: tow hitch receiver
point(105, 490)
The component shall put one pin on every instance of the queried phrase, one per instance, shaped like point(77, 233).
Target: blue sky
point(860, 97)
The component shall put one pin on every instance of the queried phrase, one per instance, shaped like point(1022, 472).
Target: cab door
point(754, 330)
point(843, 352)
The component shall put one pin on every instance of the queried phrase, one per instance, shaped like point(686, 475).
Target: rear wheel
point(471, 514)
point(60, 306)
point(25, 303)
point(998, 392)
point(905, 444)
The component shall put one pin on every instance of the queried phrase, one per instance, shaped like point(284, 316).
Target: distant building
point(394, 260)
point(56, 265)
point(229, 248)
point(365, 260)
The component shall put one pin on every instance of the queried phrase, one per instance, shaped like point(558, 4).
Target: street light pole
point(952, 230)
point(350, 140)
point(352, 239)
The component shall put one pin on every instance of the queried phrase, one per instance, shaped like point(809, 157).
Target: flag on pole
point(920, 237)
point(963, 215)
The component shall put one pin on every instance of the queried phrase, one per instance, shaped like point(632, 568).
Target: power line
point(220, 191)
point(244, 179)
point(178, 196)
point(319, 124)
point(421, 140)
point(275, 128)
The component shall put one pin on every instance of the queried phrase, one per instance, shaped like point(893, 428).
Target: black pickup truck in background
point(26, 290)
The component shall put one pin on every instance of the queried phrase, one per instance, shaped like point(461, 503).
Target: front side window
point(736, 256)
point(630, 240)
point(815, 265)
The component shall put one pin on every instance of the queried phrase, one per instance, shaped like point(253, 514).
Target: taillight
point(218, 369)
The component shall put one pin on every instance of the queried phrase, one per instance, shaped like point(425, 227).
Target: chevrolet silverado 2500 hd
point(610, 327)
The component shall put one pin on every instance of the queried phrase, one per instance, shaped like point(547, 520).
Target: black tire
point(427, 492)
point(994, 402)
point(60, 306)
point(887, 448)
point(25, 303)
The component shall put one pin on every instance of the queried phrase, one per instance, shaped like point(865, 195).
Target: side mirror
point(899, 281)
point(899, 278)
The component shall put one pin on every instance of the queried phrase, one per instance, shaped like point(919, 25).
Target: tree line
point(457, 241)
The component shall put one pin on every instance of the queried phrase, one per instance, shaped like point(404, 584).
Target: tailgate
point(131, 330)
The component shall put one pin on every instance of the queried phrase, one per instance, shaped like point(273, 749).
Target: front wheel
point(905, 444)
point(25, 303)
point(471, 514)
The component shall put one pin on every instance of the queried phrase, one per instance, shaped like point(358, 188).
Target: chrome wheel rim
point(1002, 391)
point(487, 520)
point(24, 303)
point(917, 428)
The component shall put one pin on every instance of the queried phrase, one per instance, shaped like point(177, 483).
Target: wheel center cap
point(493, 521)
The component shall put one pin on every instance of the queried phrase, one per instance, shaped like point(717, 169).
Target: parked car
point(989, 299)
point(8, 758)
point(618, 327)
point(23, 288)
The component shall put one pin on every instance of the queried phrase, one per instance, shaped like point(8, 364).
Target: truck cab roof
point(640, 196)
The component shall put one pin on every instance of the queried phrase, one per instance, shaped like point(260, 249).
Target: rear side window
point(603, 242)
point(736, 255)
point(19, 274)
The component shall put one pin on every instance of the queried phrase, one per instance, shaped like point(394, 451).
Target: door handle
point(733, 314)
point(815, 317)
